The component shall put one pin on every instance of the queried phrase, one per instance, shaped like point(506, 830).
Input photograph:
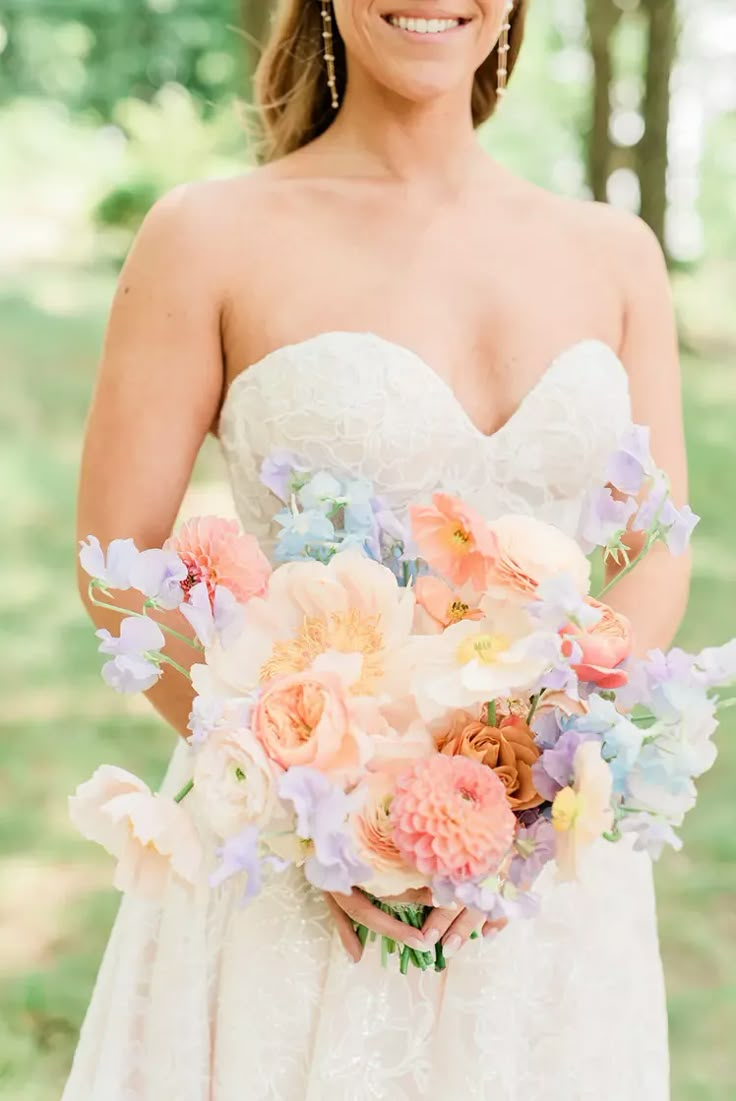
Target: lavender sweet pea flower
point(322, 810)
point(158, 574)
point(652, 834)
point(559, 602)
point(132, 668)
point(220, 619)
point(535, 847)
point(546, 728)
point(680, 524)
point(632, 463)
point(554, 769)
point(241, 853)
point(282, 472)
point(715, 666)
point(562, 676)
point(603, 519)
point(112, 569)
point(211, 713)
point(652, 505)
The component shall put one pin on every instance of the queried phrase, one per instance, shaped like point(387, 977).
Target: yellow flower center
point(460, 537)
point(566, 810)
point(457, 610)
point(482, 648)
point(350, 632)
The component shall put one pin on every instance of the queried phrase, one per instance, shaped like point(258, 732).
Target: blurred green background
point(102, 107)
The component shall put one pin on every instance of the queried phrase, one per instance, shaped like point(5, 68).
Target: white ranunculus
point(233, 782)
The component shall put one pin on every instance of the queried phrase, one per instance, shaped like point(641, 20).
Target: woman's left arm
point(654, 595)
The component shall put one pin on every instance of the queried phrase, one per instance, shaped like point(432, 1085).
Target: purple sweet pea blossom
point(113, 568)
point(680, 524)
point(278, 473)
point(554, 770)
point(322, 810)
point(158, 574)
point(652, 834)
point(241, 853)
point(220, 619)
point(211, 713)
point(603, 519)
point(132, 669)
point(632, 463)
point(653, 503)
point(535, 847)
point(559, 602)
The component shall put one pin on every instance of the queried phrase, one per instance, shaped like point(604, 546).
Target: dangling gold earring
point(503, 52)
point(329, 54)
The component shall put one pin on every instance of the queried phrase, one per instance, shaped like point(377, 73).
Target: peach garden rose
point(605, 645)
point(529, 552)
point(508, 749)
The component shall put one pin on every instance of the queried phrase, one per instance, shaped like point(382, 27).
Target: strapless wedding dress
point(199, 999)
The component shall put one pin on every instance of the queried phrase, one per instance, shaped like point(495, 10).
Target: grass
point(59, 721)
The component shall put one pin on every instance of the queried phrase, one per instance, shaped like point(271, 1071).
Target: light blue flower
point(622, 739)
point(304, 535)
point(158, 574)
point(113, 568)
point(321, 493)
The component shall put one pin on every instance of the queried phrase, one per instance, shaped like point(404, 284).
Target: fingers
point(460, 930)
point(493, 928)
point(359, 908)
point(346, 932)
point(437, 924)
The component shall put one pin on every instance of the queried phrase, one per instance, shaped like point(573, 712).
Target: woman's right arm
point(157, 394)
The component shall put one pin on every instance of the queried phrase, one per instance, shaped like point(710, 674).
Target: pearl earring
point(328, 51)
point(503, 52)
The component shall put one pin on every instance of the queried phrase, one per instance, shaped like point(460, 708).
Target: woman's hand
point(452, 927)
point(357, 907)
point(455, 928)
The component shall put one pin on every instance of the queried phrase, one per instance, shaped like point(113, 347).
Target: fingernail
point(451, 946)
point(491, 933)
point(432, 936)
point(416, 944)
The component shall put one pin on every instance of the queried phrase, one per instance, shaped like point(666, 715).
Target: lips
point(435, 26)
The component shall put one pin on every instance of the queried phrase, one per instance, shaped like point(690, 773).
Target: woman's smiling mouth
point(419, 25)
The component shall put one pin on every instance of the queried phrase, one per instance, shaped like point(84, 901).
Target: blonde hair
point(292, 97)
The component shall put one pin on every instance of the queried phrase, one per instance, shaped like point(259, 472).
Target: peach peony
point(304, 719)
point(216, 551)
point(352, 606)
point(151, 836)
point(508, 749)
point(439, 605)
point(529, 552)
point(605, 645)
point(451, 818)
point(454, 539)
point(373, 831)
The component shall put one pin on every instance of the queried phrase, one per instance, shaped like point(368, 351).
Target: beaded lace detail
point(199, 999)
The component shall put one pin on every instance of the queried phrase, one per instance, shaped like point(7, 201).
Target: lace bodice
point(355, 402)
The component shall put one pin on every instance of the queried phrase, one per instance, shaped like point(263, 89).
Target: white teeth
point(423, 26)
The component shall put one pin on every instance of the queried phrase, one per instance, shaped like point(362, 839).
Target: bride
point(415, 314)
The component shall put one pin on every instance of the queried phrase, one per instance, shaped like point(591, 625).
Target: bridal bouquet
point(441, 705)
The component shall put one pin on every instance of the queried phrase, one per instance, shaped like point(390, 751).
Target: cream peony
point(353, 606)
point(530, 551)
point(233, 781)
point(473, 662)
point(151, 836)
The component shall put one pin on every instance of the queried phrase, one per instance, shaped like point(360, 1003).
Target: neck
point(413, 142)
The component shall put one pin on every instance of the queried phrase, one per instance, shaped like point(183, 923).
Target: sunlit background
point(104, 104)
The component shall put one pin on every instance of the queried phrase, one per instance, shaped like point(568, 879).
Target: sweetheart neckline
point(554, 364)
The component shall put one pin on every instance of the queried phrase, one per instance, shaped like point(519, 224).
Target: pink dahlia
point(451, 817)
point(217, 552)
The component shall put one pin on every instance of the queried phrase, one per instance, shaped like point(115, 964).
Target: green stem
point(174, 664)
point(491, 713)
point(184, 791)
point(141, 615)
point(404, 961)
point(534, 706)
point(362, 932)
point(440, 963)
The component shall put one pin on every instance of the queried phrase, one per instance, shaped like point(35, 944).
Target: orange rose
point(508, 749)
point(605, 645)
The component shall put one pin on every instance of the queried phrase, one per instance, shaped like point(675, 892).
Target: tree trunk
point(602, 18)
point(653, 149)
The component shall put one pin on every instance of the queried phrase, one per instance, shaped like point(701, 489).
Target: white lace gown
point(199, 999)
